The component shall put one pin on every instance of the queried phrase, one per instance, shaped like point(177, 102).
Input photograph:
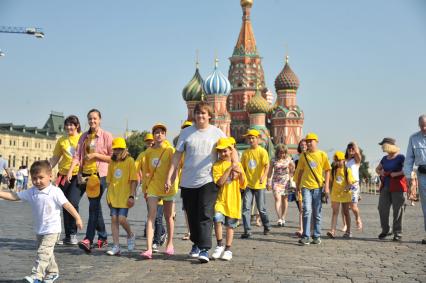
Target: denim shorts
point(119, 211)
point(229, 222)
point(164, 198)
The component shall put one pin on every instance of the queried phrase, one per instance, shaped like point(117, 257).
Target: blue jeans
point(96, 220)
point(158, 225)
point(25, 185)
point(311, 207)
point(73, 193)
point(259, 196)
point(422, 193)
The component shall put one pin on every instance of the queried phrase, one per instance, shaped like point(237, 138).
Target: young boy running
point(46, 202)
point(228, 203)
point(309, 178)
point(255, 161)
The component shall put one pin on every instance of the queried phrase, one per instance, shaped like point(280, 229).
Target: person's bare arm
point(171, 175)
point(68, 207)
point(98, 157)
point(9, 196)
point(54, 160)
point(265, 173)
point(224, 177)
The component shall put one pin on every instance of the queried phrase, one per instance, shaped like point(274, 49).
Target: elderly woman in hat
point(392, 190)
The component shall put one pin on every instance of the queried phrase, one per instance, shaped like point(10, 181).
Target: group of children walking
point(220, 201)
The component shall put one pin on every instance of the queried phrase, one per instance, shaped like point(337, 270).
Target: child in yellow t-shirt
point(122, 181)
point(157, 163)
point(342, 182)
point(255, 161)
point(228, 203)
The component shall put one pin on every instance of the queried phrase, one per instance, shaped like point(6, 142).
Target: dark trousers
point(96, 220)
point(73, 193)
point(199, 205)
point(158, 225)
point(386, 200)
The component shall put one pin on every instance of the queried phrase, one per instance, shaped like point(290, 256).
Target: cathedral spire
point(246, 43)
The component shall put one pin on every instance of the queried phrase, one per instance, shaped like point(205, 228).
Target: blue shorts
point(119, 211)
point(229, 222)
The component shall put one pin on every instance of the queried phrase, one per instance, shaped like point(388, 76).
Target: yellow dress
point(338, 192)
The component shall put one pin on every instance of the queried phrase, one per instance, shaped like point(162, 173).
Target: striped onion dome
point(193, 91)
point(287, 79)
point(217, 83)
point(257, 104)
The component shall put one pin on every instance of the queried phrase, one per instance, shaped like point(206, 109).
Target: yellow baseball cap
point(159, 125)
point(148, 137)
point(232, 140)
point(186, 124)
point(252, 132)
point(339, 155)
point(118, 143)
point(223, 143)
point(311, 136)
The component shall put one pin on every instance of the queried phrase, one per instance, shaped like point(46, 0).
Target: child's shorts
point(119, 211)
point(229, 222)
point(355, 193)
point(164, 198)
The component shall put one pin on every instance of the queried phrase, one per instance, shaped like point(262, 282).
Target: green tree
point(135, 143)
point(363, 169)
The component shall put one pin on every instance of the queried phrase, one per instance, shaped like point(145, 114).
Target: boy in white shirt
point(46, 202)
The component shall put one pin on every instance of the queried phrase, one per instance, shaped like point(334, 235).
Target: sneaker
point(73, 240)
point(304, 241)
point(131, 243)
point(347, 235)
point(218, 252)
point(163, 238)
point(203, 257)
point(227, 255)
point(316, 241)
point(245, 235)
point(155, 248)
point(195, 251)
point(50, 278)
point(102, 243)
point(114, 251)
point(283, 223)
point(397, 238)
point(279, 223)
point(30, 279)
point(85, 245)
point(266, 231)
point(60, 242)
point(383, 235)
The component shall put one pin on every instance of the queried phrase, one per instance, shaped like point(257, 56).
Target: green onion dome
point(193, 91)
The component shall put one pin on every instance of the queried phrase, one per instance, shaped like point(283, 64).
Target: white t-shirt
point(354, 168)
point(200, 154)
point(46, 207)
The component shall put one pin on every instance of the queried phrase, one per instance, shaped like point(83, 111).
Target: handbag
point(93, 186)
point(421, 169)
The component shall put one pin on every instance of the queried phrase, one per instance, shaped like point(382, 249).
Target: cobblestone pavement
point(273, 258)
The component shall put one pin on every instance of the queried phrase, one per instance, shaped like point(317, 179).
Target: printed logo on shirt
point(252, 164)
point(71, 150)
point(156, 162)
point(118, 173)
point(339, 180)
point(313, 164)
point(92, 144)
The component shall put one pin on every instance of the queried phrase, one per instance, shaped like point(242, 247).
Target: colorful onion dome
point(217, 83)
point(193, 91)
point(287, 79)
point(257, 104)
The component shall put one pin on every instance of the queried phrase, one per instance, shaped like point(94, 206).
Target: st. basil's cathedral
point(242, 101)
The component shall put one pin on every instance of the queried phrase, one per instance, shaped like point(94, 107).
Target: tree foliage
point(363, 169)
point(135, 143)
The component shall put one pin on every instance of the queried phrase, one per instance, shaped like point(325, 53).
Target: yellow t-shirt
point(319, 163)
point(156, 178)
point(139, 167)
point(338, 193)
point(229, 198)
point(89, 166)
point(119, 178)
point(254, 162)
point(65, 148)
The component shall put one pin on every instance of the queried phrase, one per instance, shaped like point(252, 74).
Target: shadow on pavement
point(18, 244)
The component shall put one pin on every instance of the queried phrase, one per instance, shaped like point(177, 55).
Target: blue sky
point(361, 63)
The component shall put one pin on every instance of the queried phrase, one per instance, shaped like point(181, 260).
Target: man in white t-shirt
point(199, 192)
point(46, 202)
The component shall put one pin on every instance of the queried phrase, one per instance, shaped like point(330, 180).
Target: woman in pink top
point(93, 154)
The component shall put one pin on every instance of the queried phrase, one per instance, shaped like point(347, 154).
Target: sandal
point(298, 234)
point(359, 224)
point(331, 234)
point(146, 255)
point(186, 236)
point(347, 235)
point(170, 251)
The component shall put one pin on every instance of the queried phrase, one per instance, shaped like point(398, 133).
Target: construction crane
point(37, 32)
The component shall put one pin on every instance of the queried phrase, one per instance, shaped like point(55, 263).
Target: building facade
point(22, 145)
